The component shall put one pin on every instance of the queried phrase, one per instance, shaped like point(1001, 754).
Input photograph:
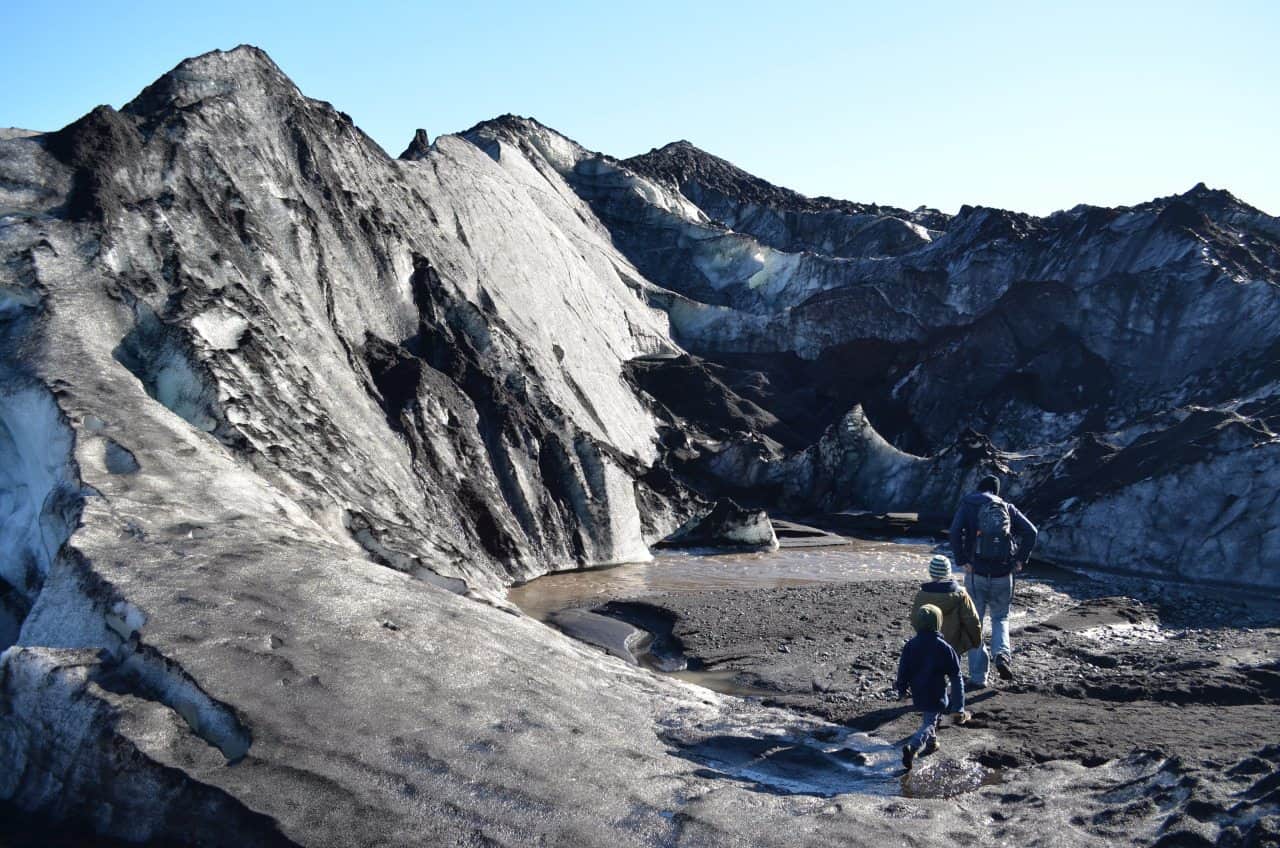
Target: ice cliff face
point(246, 356)
point(987, 340)
point(271, 401)
point(423, 355)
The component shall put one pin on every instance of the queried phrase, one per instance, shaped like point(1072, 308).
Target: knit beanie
point(939, 567)
point(928, 619)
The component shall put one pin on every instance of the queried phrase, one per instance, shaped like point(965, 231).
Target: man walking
point(991, 539)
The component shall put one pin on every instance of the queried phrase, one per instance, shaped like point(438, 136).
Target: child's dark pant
point(928, 730)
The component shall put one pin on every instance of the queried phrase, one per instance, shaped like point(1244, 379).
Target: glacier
point(281, 417)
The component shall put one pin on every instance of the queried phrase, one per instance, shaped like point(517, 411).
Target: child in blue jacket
point(926, 665)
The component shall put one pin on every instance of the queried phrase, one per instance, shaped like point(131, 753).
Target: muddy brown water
point(699, 571)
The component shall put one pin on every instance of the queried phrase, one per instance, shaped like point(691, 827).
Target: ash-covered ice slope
point(1121, 365)
point(424, 355)
point(267, 396)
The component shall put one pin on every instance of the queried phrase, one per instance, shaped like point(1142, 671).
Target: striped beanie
point(939, 567)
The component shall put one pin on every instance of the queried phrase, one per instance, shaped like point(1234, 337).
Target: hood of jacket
point(928, 619)
point(946, 595)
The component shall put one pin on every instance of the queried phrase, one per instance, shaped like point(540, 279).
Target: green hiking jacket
point(961, 626)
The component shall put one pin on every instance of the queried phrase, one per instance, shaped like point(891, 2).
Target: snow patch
point(919, 231)
point(220, 328)
point(125, 620)
point(1125, 633)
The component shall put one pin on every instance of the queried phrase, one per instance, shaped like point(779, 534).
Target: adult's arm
point(1025, 531)
point(959, 537)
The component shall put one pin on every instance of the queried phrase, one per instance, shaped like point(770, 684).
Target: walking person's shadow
point(869, 722)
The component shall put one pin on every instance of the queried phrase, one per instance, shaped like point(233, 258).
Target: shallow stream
point(547, 598)
point(699, 571)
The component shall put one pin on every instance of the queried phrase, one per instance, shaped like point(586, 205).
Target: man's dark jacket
point(965, 525)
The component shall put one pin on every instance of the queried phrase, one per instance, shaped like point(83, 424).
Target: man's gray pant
point(992, 594)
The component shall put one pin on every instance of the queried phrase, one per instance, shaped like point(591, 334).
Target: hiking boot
point(930, 747)
point(1003, 667)
point(962, 717)
point(975, 685)
point(908, 756)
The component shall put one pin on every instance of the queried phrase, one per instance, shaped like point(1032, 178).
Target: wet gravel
point(1106, 669)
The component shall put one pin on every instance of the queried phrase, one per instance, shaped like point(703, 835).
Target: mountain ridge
point(1037, 333)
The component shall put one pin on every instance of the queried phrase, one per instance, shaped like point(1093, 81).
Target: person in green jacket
point(961, 626)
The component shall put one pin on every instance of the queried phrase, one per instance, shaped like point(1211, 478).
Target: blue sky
point(1029, 106)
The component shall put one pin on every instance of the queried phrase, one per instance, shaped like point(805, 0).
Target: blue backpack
point(993, 540)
